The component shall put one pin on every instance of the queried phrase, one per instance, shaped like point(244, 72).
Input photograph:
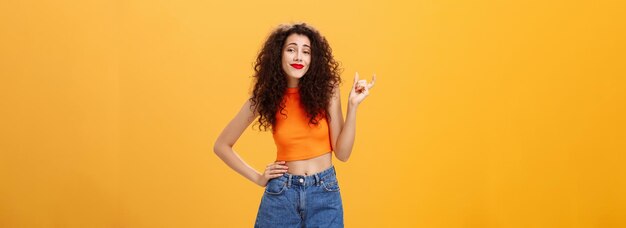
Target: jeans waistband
point(313, 179)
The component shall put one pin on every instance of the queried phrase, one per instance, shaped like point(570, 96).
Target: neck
point(292, 82)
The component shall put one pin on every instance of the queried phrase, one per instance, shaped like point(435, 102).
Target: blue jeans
point(301, 201)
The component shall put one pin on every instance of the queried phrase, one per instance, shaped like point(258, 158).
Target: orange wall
point(485, 114)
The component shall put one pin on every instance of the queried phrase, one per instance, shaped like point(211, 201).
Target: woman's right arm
point(223, 148)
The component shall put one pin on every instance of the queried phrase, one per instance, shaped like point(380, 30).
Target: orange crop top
point(295, 138)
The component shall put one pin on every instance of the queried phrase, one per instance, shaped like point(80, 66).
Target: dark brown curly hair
point(315, 87)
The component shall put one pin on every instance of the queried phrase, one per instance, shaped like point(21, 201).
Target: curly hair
point(315, 87)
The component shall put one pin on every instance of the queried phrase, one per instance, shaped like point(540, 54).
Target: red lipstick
point(297, 66)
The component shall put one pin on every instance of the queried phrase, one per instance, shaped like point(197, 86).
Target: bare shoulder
point(237, 125)
point(336, 93)
point(248, 111)
point(334, 107)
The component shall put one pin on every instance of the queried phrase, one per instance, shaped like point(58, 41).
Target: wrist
point(260, 180)
point(353, 105)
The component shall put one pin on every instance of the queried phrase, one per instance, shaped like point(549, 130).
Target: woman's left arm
point(342, 133)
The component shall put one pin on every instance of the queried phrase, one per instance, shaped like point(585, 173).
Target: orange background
point(486, 113)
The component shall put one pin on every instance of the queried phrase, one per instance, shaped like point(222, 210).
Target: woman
point(296, 96)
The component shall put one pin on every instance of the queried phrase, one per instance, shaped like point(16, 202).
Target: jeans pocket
point(331, 186)
point(276, 186)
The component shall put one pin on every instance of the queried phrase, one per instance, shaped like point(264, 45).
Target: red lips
point(297, 66)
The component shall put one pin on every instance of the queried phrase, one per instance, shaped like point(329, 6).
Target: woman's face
point(296, 57)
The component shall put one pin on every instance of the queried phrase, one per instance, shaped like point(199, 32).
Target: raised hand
point(360, 89)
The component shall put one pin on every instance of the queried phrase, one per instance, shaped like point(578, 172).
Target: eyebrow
point(306, 45)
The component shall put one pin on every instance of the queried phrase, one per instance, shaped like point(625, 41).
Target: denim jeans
point(301, 201)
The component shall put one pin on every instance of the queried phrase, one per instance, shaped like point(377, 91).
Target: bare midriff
point(310, 166)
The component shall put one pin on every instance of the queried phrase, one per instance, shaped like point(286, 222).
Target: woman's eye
point(306, 52)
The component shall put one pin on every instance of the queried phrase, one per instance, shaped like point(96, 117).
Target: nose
point(297, 56)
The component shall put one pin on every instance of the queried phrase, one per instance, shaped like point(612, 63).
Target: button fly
point(301, 180)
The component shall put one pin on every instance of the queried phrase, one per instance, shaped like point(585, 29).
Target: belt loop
point(289, 181)
point(317, 179)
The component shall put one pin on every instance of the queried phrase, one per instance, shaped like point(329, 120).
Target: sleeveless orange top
point(295, 138)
